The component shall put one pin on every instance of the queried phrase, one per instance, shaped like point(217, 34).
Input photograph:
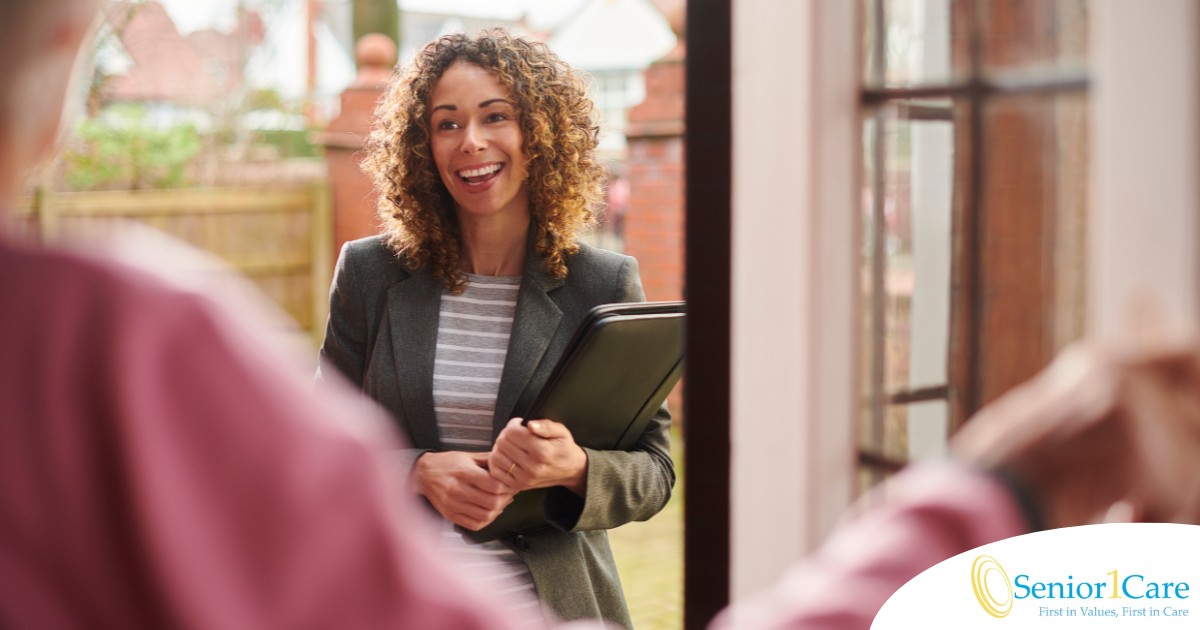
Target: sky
point(193, 15)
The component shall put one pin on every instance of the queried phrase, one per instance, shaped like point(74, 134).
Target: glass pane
point(1034, 35)
point(895, 433)
point(928, 41)
point(914, 44)
point(928, 426)
point(912, 223)
point(1070, 161)
point(872, 70)
point(909, 159)
point(870, 430)
point(1033, 217)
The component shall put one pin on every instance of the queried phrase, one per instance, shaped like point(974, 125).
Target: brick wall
point(654, 223)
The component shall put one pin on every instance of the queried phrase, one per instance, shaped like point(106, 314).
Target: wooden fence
point(280, 238)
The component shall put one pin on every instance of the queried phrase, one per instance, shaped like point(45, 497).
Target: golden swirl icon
point(983, 568)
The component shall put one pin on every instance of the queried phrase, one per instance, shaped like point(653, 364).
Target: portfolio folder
point(616, 372)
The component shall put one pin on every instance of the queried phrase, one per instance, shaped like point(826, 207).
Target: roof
point(166, 66)
point(614, 35)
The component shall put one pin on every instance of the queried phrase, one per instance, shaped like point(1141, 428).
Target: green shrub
point(290, 143)
point(122, 148)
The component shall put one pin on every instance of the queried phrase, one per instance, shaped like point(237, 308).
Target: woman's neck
point(494, 246)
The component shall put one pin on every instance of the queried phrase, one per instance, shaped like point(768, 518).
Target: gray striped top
point(472, 341)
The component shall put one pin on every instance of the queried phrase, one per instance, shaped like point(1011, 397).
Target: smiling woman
point(483, 152)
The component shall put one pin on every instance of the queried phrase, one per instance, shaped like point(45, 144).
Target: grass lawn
point(650, 559)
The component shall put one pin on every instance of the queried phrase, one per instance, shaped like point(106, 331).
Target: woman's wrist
point(577, 482)
point(416, 477)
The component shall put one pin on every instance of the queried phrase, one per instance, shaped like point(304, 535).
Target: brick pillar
point(353, 198)
point(654, 222)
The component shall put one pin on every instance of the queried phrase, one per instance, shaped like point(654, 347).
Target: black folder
point(616, 372)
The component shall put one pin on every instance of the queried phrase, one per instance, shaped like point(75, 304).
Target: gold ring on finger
point(511, 467)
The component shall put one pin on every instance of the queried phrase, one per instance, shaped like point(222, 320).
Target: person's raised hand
point(540, 454)
point(1163, 404)
point(459, 487)
point(1097, 427)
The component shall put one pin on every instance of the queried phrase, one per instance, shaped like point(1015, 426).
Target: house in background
point(143, 58)
point(614, 41)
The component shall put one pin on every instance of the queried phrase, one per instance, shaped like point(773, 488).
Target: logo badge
point(989, 579)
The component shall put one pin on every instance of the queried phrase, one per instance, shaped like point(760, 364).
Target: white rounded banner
point(1119, 575)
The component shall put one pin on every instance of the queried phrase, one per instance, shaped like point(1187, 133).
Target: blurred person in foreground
point(484, 156)
point(1101, 428)
point(160, 469)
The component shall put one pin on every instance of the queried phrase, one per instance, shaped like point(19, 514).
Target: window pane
point(915, 44)
point(928, 425)
point(906, 205)
point(1033, 35)
point(1033, 234)
point(1069, 241)
point(913, 227)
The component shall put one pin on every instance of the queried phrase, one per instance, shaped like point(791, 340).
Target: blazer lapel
point(536, 320)
point(413, 306)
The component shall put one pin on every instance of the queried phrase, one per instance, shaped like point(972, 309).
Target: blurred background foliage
point(123, 149)
point(171, 107)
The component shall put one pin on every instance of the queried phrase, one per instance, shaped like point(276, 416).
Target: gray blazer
point(381, 334)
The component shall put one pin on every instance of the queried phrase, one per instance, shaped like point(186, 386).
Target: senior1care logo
point(996, 593)
point(1133, 575)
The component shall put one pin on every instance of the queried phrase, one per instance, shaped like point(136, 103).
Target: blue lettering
point(1022, 590)
point(1135, 586)
point(1125, 586)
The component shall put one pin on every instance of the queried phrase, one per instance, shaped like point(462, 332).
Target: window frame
point(974, 93)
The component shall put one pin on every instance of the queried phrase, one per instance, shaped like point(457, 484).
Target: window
point(975, 155)
point(614, 92)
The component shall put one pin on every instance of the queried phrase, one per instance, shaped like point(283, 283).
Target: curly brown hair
point(558, 123)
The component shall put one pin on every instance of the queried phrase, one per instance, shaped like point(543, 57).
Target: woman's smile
point(479, 178)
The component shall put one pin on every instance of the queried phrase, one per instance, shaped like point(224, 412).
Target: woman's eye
point(497, 117)
point(447, 124)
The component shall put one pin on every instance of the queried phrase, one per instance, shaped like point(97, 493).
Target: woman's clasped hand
point(460, 488)
point(472, 489)
point(538, 454)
